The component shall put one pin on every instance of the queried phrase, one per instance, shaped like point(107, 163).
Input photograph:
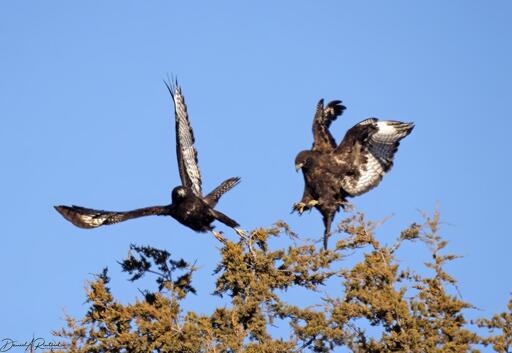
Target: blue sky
point(86, 119)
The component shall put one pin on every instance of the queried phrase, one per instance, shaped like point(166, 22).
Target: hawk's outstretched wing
point(324, 116)
point(213, 197)
point(89, 218)
point(368, 148)
point(185, 151)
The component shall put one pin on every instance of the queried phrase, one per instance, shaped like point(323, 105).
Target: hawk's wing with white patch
point(89, 218)
point(185, 151)
point(324, 116)
point(369, 148)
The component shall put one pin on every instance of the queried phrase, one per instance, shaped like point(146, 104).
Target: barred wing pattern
point(377, 146)
point(324, 116)
point(185, 151)
point(188, 205)
point(89, 218)
point(213, 197)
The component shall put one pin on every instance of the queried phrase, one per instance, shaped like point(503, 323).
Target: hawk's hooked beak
point(298, 167)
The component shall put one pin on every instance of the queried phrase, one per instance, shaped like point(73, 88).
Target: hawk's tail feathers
point(221, 217)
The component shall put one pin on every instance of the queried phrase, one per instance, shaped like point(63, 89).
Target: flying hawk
point(189, 206)
point(334, 172)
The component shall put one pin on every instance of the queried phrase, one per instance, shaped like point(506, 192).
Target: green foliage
point(411, 311)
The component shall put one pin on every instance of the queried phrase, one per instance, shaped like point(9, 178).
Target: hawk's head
point(303, 160)
point(178, 194)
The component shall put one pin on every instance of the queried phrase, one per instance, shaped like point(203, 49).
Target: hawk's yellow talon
point(299, 207)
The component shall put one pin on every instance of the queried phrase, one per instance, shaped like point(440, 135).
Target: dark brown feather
point(90, 218)
point(322, 138)
point(333, 173)
point(221, 217)
point(213, 197)
point(188, 205)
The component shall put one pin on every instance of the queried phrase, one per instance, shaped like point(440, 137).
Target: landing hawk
point(332, 173)
point(189, 206)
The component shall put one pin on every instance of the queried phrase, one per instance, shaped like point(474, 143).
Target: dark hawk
point(332, 172)
point(189, 206)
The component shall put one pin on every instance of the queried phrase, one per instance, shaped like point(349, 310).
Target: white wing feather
point(379, 151)
point(186, 153)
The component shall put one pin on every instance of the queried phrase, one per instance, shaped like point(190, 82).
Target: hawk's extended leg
point(311, 203)
point(307, 202)
point(303, 206)
point(241, 233)
point(345, 205)
point(219, 236)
